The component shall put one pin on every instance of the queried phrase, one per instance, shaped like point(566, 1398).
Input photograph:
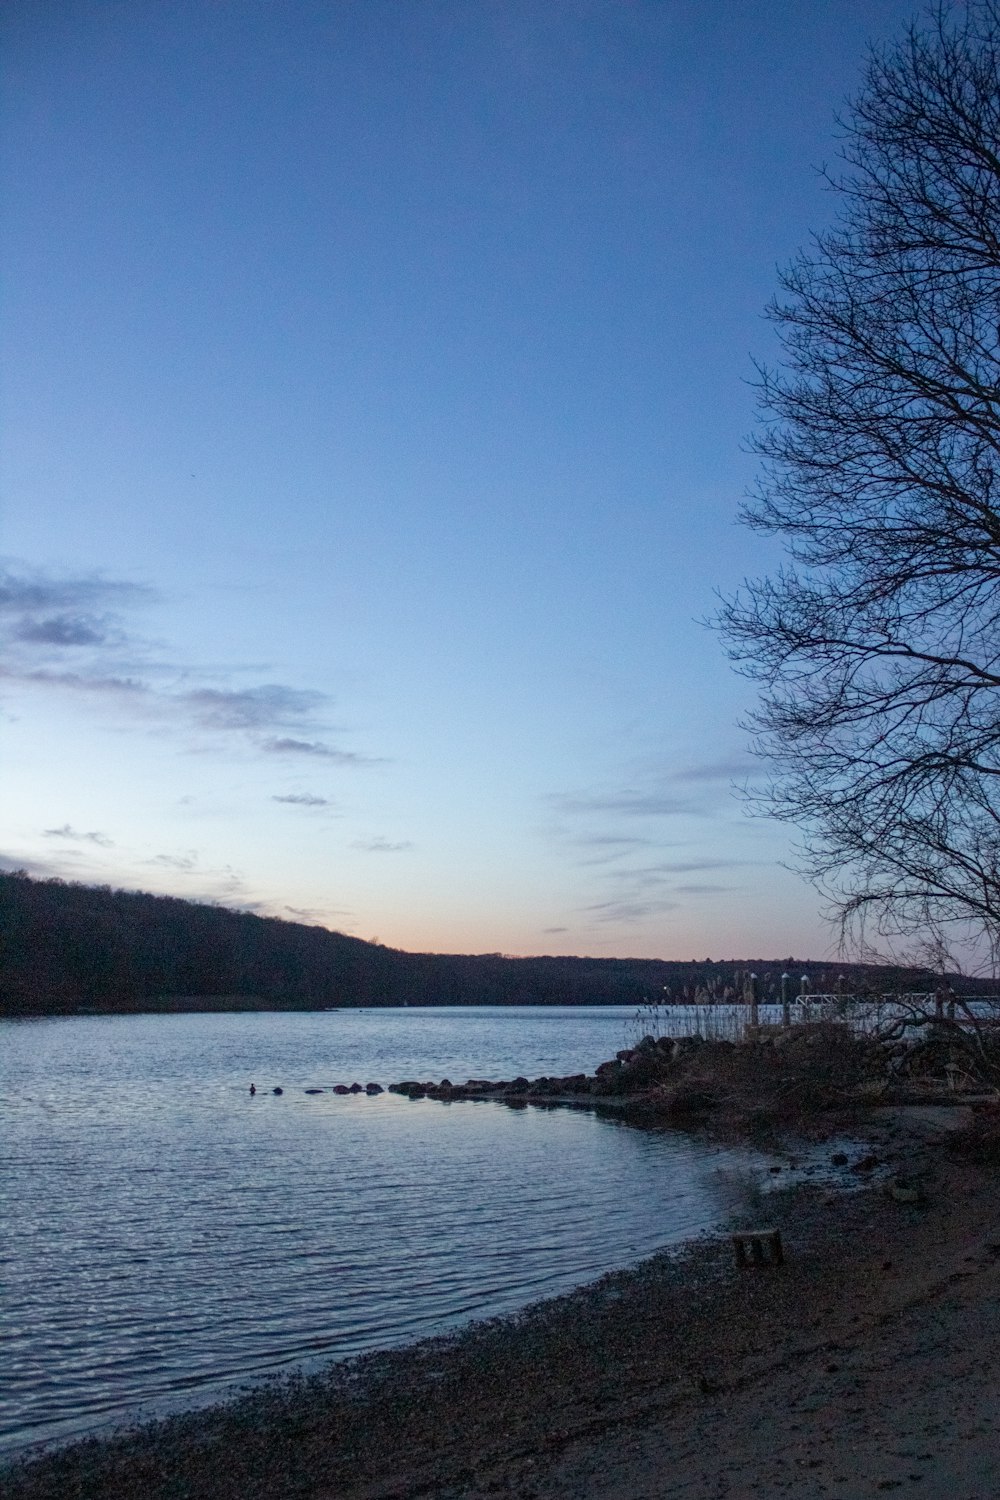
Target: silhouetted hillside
point(65, 947)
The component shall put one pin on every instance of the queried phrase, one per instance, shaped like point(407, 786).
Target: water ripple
point(169, 1236)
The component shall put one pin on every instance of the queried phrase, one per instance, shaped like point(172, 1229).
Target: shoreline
point(600, 1390)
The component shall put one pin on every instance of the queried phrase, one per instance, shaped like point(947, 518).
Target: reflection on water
point(168, 1235)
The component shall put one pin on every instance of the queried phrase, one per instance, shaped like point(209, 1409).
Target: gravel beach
point(864, 1364)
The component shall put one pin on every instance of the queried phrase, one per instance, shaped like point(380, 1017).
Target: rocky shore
point(772, 1077)
point(863, 1363)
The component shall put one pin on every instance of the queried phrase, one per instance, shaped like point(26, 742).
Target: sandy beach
point(864, 1364)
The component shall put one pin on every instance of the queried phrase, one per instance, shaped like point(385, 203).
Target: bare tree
point(878, 645)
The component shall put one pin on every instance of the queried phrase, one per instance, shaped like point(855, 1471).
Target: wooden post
point(753, 996)
point(758, 1247)
point(786, 999)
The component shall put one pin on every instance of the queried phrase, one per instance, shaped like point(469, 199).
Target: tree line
point(66, 947)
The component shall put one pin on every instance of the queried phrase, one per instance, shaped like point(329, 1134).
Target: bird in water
point(253, 1088)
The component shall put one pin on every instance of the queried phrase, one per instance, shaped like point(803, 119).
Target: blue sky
point(377, 376)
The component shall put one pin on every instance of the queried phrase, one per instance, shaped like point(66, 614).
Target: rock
point(900, 1190)
point(314, 1091)
point(341, 1088)
point(374, 1088)
point(685, 1101)
point(518, 1086)
point(606, 1069)
point(277, 1091)
point(865, 1164)
point(356, 1088)
point(838, 1159)
point(643, 1068)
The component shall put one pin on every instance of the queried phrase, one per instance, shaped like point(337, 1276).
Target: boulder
point(608, 1069)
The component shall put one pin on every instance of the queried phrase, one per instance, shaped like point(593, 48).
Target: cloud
point(39, 613)
point(31, 597)
point(676, 867)
point(382, 846)
point(269, 706)
point(303, 799)
point(629, 802)
point(70, 635)
point(317, 913)
point(42, 869)
point(79, 682)
point(550, 931)
point(606, 849)
point(71, 835)
point(628, 911)
point(704, 890)
point(719, 770)
point(639, 892)
point(316, 748)
point(610, 841)
point(185, 862)
point(62, 630)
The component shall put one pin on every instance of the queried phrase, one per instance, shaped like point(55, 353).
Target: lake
point(169, 1237)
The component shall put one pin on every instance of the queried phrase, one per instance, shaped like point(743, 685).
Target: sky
point(377, 377)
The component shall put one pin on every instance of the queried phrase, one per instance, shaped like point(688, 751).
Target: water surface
point(168, 1236)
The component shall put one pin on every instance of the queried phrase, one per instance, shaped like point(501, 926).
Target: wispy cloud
point(736, 768)
point(630, 802)
point(382, 846)
point(61, 630)
point(637, 892)
point(303, 799)
point(266, 707)
point(605, 849)
point(664, 868)
point(621, 835)
point(30, 593)
point(318, 749)
point(628, 911)
point(182, 862)
point(42, 869)
point(317, 914)
point(99, 683)
point(704, 890)
point(73, 635)
point(74, 836)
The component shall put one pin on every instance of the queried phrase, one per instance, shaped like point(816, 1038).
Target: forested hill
point(66, 947)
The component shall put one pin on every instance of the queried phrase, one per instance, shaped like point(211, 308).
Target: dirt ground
point(867, 1363)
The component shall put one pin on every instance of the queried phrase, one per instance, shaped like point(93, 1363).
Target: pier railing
point(732, 1020)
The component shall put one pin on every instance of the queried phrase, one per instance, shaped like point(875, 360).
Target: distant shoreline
point(70, 947)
